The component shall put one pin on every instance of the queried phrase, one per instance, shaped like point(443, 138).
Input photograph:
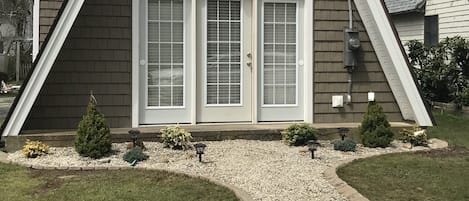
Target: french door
point(280, 72)
point(164, 71)
point(224, 67)
point(220, 84)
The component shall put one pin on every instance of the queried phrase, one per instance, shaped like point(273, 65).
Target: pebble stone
point(266, 170)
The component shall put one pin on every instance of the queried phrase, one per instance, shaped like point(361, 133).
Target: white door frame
point(308, 61)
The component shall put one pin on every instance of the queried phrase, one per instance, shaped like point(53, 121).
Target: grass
point(452, 127)
point(424, 176)
point(431, 175)
point(22, 184)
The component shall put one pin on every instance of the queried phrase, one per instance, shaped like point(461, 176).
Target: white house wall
point(453, 16)
point(409, 26)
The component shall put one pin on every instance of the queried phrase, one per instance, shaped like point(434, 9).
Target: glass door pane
point(223, 70)
point(165, 73)
point(280, 52)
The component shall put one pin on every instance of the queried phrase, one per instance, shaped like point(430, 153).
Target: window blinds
point(165, 53)
point(223, 83)
point(279, 70)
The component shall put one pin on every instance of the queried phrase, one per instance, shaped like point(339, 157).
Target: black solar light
point(199, 149)
point(133, 135)
point(312, 147)
point(343, 132)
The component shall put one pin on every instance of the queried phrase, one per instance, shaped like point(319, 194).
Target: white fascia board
point(36, 10)
point(135, 62)
point(308, 60)
point(393, 62)
point(42, 68)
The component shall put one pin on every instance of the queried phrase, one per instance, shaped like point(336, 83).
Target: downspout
point(348, 99)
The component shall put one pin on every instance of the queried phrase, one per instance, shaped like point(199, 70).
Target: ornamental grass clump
point(299, 134)
point(135, 155)
point(93, 137)
point(176, 137)
point(415, 136)
point(33, 149)
point(375, 129)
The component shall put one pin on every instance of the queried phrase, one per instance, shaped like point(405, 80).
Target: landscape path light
point(134, 135)
point(343, 133)
point(200, 149)
point(312, 147)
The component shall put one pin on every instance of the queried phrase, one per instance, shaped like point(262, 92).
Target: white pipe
point(350, 14)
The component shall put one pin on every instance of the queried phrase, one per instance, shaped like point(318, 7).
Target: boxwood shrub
point(299, 134)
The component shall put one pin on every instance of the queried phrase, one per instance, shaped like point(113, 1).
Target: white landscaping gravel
point(267, 170)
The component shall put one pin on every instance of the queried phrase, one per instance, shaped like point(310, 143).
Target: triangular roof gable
point(41, 68)
point(382, 33)
point(394, 61)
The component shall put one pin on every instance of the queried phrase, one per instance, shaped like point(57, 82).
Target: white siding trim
point(193, 61)
point(42, 68)
point(393, 61)
point(308, 61)
point(36, 10)
point(135, 62)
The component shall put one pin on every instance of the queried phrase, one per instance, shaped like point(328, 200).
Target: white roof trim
point(393, 62)
point(36, 9)
point(42, 68)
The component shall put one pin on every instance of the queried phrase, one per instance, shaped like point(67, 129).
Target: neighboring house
point(151, 62)
point(429, 21)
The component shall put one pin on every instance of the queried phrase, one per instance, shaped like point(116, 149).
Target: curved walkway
point(266, 170)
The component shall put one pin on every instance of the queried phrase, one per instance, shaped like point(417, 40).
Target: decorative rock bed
point(266, 170)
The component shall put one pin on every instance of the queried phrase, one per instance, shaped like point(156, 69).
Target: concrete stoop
point(203, 132)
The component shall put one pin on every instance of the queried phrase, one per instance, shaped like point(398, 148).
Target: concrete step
point(201, 132)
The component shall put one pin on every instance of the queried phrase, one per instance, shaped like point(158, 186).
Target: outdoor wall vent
point(338, 101)
point(371, 96)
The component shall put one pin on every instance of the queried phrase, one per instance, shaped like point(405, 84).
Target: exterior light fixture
point(312, 147)
point(343, 132)
point(133, 135)
point(199, 149)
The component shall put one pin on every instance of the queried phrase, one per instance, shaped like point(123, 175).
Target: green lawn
point(434, 175)
point(452, 127)
point(22, 184)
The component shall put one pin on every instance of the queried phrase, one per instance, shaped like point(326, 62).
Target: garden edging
point(348, 191)
point(241, 194)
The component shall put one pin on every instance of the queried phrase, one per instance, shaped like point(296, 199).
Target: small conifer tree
point(93, 137)
point(375, 129)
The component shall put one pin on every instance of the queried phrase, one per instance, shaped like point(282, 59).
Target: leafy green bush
point(415, 136)
point(176, 137)
point(135, 154)
point(442, 71)
point(93, 137)
point(33, 149)
point(375, 129)
point(345, 145)
point(299, 134)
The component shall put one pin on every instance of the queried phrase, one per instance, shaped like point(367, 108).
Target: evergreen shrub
point(93, 137)
point(345, 145)
point(375, 129)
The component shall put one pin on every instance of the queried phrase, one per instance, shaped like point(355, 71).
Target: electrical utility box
point(352, 45)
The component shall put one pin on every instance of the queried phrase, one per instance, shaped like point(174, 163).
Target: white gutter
point(42, 68)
